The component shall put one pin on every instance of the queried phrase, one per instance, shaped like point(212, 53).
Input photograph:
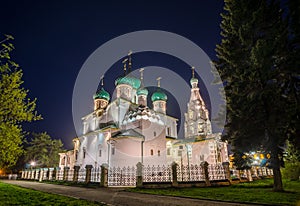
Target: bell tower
point(197, 121)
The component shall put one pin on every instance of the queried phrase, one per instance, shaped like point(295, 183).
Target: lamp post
point(32, 164)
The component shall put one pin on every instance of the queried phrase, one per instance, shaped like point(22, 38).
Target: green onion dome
point(194, 80)
point(159, 95)
point(142, 91)
point(102, 94)
point(131, 81)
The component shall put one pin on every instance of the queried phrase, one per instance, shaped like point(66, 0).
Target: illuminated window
point(200, 127)
point(192, 129)
point(191, 114)
point(151, 152)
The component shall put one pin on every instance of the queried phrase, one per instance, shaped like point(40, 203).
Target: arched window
point(76, 154)
point(84, 152)
point(113, 150)
point(169, 151)
point(168, 131)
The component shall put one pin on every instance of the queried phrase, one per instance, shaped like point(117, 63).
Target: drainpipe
point(142, 151)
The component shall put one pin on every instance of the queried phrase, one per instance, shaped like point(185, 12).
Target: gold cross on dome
point(193, 72)
point(142, 73)
point(129, 59)
point(158, 81)
point(124, 62)
point(102, 79)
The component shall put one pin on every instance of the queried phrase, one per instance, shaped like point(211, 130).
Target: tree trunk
point(277, 187)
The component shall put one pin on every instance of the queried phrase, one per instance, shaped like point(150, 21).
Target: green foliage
point(291, 171)
point(43, 150)
point(292, 163)
point(260, 78)
point(15, 107)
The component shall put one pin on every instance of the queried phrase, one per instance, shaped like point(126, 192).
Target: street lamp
point(32, 164)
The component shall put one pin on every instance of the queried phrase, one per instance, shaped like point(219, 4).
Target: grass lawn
point(259, 191)
point(14, 195)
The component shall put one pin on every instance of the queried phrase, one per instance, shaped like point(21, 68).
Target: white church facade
point(124, 131)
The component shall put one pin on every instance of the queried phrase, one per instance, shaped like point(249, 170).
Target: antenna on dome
point(193, 72)
point(124, 62)
point(158, 81)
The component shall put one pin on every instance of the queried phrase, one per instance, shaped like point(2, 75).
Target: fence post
point(88, 173)
point(56, 173)
point(50, 176)
point(104, 175)
point(255, 172)
point(139, 174)
point(174, 174)
point(66, 173)
point(249, 175)
point(37, 172)
point(32, 174)
point(41, 174)
point(76, 173)
point(46, 173)
point(227, 171)
point(204, 166)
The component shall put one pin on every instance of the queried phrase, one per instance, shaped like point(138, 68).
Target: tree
point(292, 162)
point(252, 62)
point(43, 150)
point(15, 107)
point(292, 83)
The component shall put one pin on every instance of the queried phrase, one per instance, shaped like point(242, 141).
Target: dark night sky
point(54, 38)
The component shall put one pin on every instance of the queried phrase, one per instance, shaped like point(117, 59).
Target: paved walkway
point(117, 196)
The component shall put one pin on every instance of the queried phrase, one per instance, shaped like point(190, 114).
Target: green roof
point(131, 81)
point(159, 95)
point(142, 91)
point(194, 80)
point(102, 94)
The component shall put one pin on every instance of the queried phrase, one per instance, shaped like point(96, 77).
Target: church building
point(125, 130)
